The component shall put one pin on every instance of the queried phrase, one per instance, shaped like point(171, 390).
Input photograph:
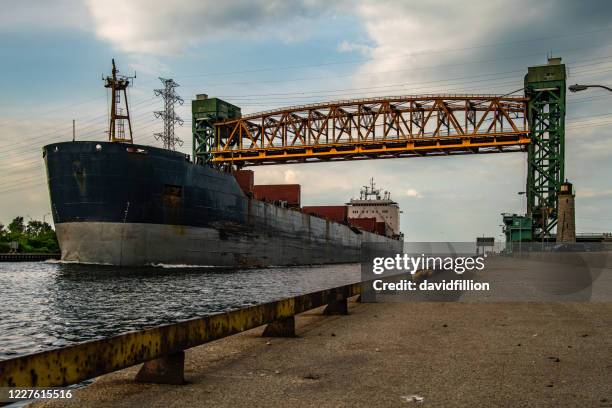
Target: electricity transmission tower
point(170, 97)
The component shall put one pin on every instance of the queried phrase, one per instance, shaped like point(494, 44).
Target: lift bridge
point(404, 126)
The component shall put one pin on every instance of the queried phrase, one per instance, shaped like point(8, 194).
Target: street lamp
point(578, 88)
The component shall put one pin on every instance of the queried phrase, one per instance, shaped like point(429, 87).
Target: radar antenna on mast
point(370, 190)
point(117, 84)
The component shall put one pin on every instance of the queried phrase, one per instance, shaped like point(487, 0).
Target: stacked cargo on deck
point(335, 213)
point(285, 195)
point(339, 214)
point(246, 181)
point(378, 215)
point(369, 224)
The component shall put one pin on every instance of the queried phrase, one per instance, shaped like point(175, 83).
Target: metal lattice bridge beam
point(406, 126)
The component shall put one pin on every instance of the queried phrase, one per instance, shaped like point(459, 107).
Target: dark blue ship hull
point(115, 182)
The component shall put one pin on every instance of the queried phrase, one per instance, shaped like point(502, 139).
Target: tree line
point(35, 236)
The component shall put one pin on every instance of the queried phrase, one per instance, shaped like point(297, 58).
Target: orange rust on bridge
point(401, 126)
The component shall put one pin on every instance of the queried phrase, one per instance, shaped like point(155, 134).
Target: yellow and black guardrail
point(159, 347)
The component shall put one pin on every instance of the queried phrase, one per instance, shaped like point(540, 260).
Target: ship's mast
point(370, 190)
point(118, 84)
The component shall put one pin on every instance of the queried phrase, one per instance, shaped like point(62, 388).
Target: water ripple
point(49, 305)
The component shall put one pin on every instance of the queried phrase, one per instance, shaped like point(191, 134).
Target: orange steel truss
point(399, 126)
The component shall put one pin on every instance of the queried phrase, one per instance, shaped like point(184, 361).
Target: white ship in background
point(374, 207)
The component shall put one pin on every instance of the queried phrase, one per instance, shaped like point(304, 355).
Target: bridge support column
point(169, 369)
point(280, 328)
point(545, 87)
point(338, 307)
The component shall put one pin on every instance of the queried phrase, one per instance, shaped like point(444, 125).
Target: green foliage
point(16, 226)
point(35, 236)
point(37, 228)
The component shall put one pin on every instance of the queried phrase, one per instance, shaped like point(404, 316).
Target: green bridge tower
point(545, 86)
point(205, 112)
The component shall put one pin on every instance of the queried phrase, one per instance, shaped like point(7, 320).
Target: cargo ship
point(120, 203)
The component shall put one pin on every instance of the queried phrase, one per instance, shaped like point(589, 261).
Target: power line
point(26, 182)
point(19, 186)
point(498, 84)
point(464, 77)
point(44, 113)
point(361, 61)
point(371, 73)
point(416, 90)
point(439, 51)
point(99, 119)
point(62, 127)
point(394, 85)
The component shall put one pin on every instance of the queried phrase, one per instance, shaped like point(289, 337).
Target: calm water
point(48, 305)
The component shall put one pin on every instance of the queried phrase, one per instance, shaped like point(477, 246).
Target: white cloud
point(411, 192)
point(408, 35)
point(163, 27)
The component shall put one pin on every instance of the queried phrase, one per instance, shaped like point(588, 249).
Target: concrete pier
point(394, 354)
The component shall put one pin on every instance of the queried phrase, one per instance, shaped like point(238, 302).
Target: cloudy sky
point(264, 54)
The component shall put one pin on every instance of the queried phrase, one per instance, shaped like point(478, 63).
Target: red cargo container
point(366, 224)
point(336, 213)
point(246, 180)
point(271, 193)
point(381, 228)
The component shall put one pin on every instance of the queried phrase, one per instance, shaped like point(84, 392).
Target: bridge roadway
point(450, 354)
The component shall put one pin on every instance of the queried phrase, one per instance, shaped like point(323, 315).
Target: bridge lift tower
point(546, 87)
point(406, 126)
